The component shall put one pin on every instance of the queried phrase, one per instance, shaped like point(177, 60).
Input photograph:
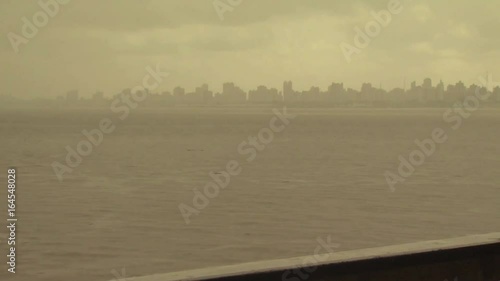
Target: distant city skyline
point(217, 88)
point(418, 94)
point(287, 40)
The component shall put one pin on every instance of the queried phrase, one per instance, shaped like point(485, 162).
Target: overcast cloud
point(105, 45)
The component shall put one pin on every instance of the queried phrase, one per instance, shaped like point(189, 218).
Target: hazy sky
point(106, 44)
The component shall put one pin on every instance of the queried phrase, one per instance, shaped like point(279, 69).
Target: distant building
point(366, 93)
point(98, 99)
point(263, 95)
point(178, 91)
point(201, 95)
point(179, 94)
point(205, 95)
point(288, 93)
point(415, 94)
point(460, 90)
point(313, 95)
point(72, 97)
point(427, 84)
point(98, 96)
point(440, 91)
point(231, 94)
point(496, 93)
point(336, 93)
point(428, 92)
point(396, 95)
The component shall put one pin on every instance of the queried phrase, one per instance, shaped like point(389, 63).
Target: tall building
point(428, 93)
point(367, 93)
point(204, 94)
point(496, 93)
point(427, 83)
point(288, 93)
point(178, 91)
point(178, 94)
point(440, 91)
point(232, 94)
point(460, 90)
point(263, 95)
point(336, 93)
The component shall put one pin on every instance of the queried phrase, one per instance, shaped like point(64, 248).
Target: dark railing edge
point(457, 245)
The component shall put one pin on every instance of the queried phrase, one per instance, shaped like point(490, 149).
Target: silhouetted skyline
point(417, 94)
